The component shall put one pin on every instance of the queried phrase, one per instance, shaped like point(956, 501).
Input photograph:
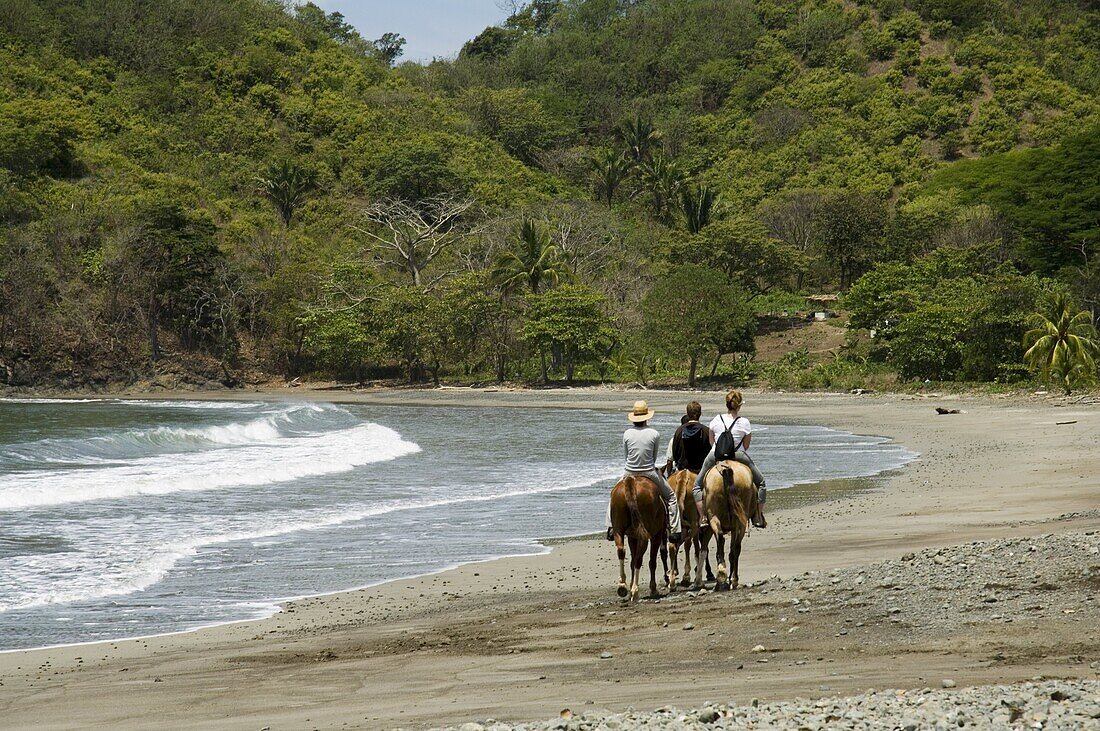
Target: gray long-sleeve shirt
point(641, 445)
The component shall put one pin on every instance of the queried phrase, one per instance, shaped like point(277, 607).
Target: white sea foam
point(202, 405)
point(281, 460)
point(131, 443)
point(129, 567)
point(86, 575)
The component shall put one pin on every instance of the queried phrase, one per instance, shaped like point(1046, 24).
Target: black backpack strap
point(728, 428)
point(742, 441)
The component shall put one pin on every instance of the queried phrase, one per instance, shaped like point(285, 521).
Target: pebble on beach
point(1052, 705)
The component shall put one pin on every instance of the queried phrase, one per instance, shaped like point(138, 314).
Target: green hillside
point(597, 189)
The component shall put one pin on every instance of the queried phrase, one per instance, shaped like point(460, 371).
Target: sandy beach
point(526, 637)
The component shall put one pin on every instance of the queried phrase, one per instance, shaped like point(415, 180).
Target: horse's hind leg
point(621, 550)
point(689, 544)
point(669, 575)
point(721, 583)
point(672, 571)
point(655, 546)
point(637, 554)
point(735, 555)
point(702, 549)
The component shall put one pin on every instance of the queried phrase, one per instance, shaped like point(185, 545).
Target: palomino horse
point(728, 499)
point(638, 515)
point(682, 483)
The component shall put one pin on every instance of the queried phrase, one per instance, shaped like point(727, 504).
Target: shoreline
point(521, 637)
point(803, 493)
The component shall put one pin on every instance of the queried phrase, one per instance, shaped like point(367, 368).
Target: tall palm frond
point(1062, 345)
point(697, 205)
point(534, 261)
point(609, 170)
point(286, 185)
point(640, 139)
point(663, 179)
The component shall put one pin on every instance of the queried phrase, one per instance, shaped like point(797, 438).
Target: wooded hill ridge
point(595, 189)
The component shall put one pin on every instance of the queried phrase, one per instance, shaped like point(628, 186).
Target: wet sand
point(522, 638)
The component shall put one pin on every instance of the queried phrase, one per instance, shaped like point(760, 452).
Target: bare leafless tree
point(583, 232)
point(412, 236)
point(1088, 281)
point(343, 293)
point(219, 302)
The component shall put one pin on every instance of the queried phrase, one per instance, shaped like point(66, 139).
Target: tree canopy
point(238, 187)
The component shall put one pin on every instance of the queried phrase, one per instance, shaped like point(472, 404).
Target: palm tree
point(639, 138)
point(286, 186)
point(1061, 345)
point(535, 260)
point(698, 206)
point(610, 169)
point(663, 179)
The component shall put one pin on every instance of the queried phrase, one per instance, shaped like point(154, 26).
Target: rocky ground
point(1031, 599)
point(1068, 705)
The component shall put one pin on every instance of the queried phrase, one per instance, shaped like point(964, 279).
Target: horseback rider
point(641, 443)
point(740, 431)
point(692, 441)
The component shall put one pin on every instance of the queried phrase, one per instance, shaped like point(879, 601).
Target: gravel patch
point(1053, 705)
point(940, 592)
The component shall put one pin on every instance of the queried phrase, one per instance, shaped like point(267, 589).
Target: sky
point(431, 27)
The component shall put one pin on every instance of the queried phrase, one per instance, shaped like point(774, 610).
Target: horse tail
point(737, 511)
point(632, 506)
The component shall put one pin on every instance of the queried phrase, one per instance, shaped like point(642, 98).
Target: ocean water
point(123, 518)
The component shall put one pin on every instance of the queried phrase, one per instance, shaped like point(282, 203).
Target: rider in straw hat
point(641, 444)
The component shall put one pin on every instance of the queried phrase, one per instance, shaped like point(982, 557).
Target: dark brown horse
point(638, 516)
point(728, 499)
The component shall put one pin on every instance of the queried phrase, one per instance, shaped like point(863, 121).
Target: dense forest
point(232, 190)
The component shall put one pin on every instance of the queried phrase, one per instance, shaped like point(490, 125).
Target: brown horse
point(682, 483)
point(638, 515)
point(728, 499)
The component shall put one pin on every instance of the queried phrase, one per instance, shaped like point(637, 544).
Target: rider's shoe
point(675, 537)
point(762, 497)
point(610, 534)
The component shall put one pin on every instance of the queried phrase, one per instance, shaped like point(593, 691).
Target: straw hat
point(641, 412)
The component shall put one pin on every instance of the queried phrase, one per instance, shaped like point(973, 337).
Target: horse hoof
point(721, 587)
point(685, 582)
point(623, 591)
